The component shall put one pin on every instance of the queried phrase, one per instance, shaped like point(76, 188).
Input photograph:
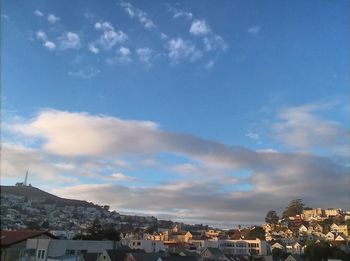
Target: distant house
point(302, 229)
point(330, 236)
point(211, 253)
point(293, 258)
point(343, 229)
point(13, 243)
point(184, 236)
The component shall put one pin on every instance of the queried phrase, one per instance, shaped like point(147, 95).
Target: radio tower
point(26, 179)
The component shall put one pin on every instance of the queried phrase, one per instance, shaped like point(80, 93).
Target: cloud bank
point(214, 183)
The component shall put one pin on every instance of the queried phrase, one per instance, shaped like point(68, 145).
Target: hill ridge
point(34, 192)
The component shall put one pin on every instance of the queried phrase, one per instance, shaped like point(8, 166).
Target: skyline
point(193, 111)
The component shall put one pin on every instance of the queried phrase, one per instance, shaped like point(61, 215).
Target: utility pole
point(26, 179)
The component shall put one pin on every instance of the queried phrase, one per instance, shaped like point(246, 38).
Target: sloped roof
point(90, 256)
point(214, 251)
point(180, 258)
point(9, 238)
point(147, 256)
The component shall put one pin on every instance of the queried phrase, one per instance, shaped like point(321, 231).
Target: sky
point(209, 112)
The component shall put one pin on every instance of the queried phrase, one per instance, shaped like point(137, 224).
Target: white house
point(150, 246)
point(51, 249)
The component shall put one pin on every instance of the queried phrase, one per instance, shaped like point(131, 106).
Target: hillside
point(33, 192)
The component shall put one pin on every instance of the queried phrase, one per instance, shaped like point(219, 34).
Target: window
point(70, 252)
point(42, 254)
point(39, 254)
point(139, 243)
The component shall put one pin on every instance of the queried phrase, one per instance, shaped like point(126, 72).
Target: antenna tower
point(26, 179)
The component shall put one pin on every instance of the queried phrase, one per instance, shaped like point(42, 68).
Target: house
point(116, 255)
point(334, 228)
point(277, 245)
point(330, 236)
point(243, 247)
point(13, 243)
point(318, 228)
point(183, 236)
point(302, 229)
point(293, 258)
point(211, 253)
point(332, 212)
point(149, 246)
point(52, 249)
point(339, 238)
point(343, 229)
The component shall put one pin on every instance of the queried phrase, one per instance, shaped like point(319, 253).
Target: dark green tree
point(254, 233)
point(45, 224)
point(277, 254)
point(271, 217)
point(296, 207)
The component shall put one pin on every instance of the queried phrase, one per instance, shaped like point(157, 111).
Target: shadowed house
point(13, 243)
point(211, 253)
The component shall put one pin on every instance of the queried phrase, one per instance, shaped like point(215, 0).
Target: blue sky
point(195, 105)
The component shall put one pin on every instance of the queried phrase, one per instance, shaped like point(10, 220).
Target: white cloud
point(254, 29)
point(199, 27)
point(93, 49)
point(214, 42)
point(302, 127)
point(69, 40)
point(121, 177)
point(109, 37)
point(17, 159)
point(123, 56)
point(181, 13)
point(49, 45)
point(181, 49)
point(142, 16)
point(81, 143)
point(252, 135)
point(53, 19)
point(145, 54)
point(85, 73)
point(40, 35)
point(38, 13)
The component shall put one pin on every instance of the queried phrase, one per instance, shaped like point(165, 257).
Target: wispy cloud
point(53, 19)
point(85, 73)
point(38, 13)
point(110, 37)
point(181, 49)
point(121, 177)
point(93, 49)
point(177, 13)
point(303, 128)
point(41, 35)
point(142, 16)
point(145, 55)
point(252, 135)
point(69, 40)
point(254, 29)
point(199, 27)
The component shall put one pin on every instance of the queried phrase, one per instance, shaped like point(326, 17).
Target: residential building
point(13, 243)
point(52, 249)
point(243, 247)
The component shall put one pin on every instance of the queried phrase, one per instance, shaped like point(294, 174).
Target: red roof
point(12, 237)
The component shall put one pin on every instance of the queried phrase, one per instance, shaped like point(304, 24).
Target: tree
point(254, 233)
point(271, 217)
point(296, 207)
point(277, 254)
